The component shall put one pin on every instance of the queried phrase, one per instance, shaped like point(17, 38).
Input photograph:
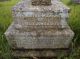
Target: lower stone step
point(39, 39)
point(45, 53)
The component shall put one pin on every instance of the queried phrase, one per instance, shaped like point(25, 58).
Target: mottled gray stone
point(39, 27)
point(39, 39)
point(27, 12)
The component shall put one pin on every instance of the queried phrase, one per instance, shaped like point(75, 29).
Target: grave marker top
point(41, 2)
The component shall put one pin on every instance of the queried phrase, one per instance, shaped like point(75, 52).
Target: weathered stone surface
point(40, 53)
point(39, 39)
point(36, 26)
point(41, 2)
point(38, 13)
point(39, 22)
point(56, 6)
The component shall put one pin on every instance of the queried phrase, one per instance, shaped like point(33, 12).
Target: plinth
point(39, 29)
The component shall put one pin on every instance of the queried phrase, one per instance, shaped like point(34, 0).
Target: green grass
point(6, 19)
point(74, 22)
point(74, 19)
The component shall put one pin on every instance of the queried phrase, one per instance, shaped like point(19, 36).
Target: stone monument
point(39, 29)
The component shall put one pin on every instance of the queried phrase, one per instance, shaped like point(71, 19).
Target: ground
point(6, 19)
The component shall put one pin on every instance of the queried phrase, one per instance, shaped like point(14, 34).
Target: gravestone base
point(39, 31)
point(19, 40)
point(20, 52)
point(40, 53)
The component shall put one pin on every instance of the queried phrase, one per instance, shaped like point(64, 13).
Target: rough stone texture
point(39, 27)
point(41, 2)
point(39, 39)
point(39, 53)
point(26, 12)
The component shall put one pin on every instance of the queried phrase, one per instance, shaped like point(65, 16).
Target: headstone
point(39, 29)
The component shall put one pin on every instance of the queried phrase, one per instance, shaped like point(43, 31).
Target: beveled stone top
point(26, 6)
point(41, 2)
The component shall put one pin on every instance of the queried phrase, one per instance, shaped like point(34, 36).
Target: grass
point(74, 19)
point(74, 22)
point(6, 19)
